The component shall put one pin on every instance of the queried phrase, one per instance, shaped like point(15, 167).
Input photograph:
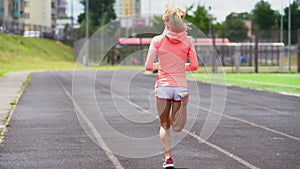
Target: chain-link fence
point(15, 27)
point(260, 51)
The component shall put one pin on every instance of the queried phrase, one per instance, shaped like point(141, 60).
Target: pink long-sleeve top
point(172, 49)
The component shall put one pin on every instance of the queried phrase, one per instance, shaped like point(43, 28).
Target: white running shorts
point(170, 93)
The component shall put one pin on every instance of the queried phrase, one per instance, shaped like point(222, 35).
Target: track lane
point(259, 147)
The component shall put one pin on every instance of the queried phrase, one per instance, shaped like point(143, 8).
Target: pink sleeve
point(193, 65)
point(151, 56)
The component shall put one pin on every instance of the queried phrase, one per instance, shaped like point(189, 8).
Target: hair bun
point(173, 17)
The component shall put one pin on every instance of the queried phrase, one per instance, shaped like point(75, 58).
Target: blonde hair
point(173, 18)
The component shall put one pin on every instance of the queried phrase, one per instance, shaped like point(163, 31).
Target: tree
point(200, 18)
point(101, 12)
point(242, 15)
point(158, 23)
point(263, 16)
point(234, 27)
point(66, 31)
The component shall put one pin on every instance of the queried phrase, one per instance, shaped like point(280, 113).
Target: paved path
point(258, 129)
point(10, 87)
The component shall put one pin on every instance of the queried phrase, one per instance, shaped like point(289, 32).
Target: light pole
point(281, 34)
point(281, 22)
point(86, 62)
point(289, 35)
point(87, 19)
point(72, 21)
point(209, 26)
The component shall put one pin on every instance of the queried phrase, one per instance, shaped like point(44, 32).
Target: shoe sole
point(169, 166)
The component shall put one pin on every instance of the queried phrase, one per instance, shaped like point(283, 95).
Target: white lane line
point(296, 76)
point(249, 123)
point(257, 106)
point(235, 119)
point(265, 107)
point(233, 91)
point(265, 83)
point(256, 82)
point(227, 153)
point(214, 146)
point(95, 132)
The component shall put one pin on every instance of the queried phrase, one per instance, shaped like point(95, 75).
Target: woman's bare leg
point(179, 115)
point(163, 109)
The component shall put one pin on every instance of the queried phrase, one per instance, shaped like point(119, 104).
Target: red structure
point(146, 41)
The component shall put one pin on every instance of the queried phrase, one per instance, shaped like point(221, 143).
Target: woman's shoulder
point(157, 38)
point(187, 41)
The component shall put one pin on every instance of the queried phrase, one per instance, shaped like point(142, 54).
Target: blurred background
point(245, 36)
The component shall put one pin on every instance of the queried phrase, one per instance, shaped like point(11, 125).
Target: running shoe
point(168, 163)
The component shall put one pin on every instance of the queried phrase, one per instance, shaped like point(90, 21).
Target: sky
point(219, 8)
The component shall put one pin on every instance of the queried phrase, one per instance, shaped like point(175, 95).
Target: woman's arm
point(150, 65)
point(193, 65)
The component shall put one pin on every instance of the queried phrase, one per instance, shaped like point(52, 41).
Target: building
point(128, 12)
point(47, 17)
point(17, 16)
point(65, 25)
point(61, 9)
point(63, 30)
point(11, 9)
point(11, 15)
point(40, 15)
point(118, 8)
point(125, 8)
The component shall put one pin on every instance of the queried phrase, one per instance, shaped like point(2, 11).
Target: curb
point(11, 89)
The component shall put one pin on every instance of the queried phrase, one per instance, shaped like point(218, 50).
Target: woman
point(173, 48)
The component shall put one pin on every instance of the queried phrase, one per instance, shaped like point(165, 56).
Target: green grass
point(18, 53)
point(287, 83)
point(25, 84)
point(2, 72)
point(245, 69)
point(117, 67)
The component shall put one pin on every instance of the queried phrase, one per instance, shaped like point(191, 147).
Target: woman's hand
point(156, 66)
